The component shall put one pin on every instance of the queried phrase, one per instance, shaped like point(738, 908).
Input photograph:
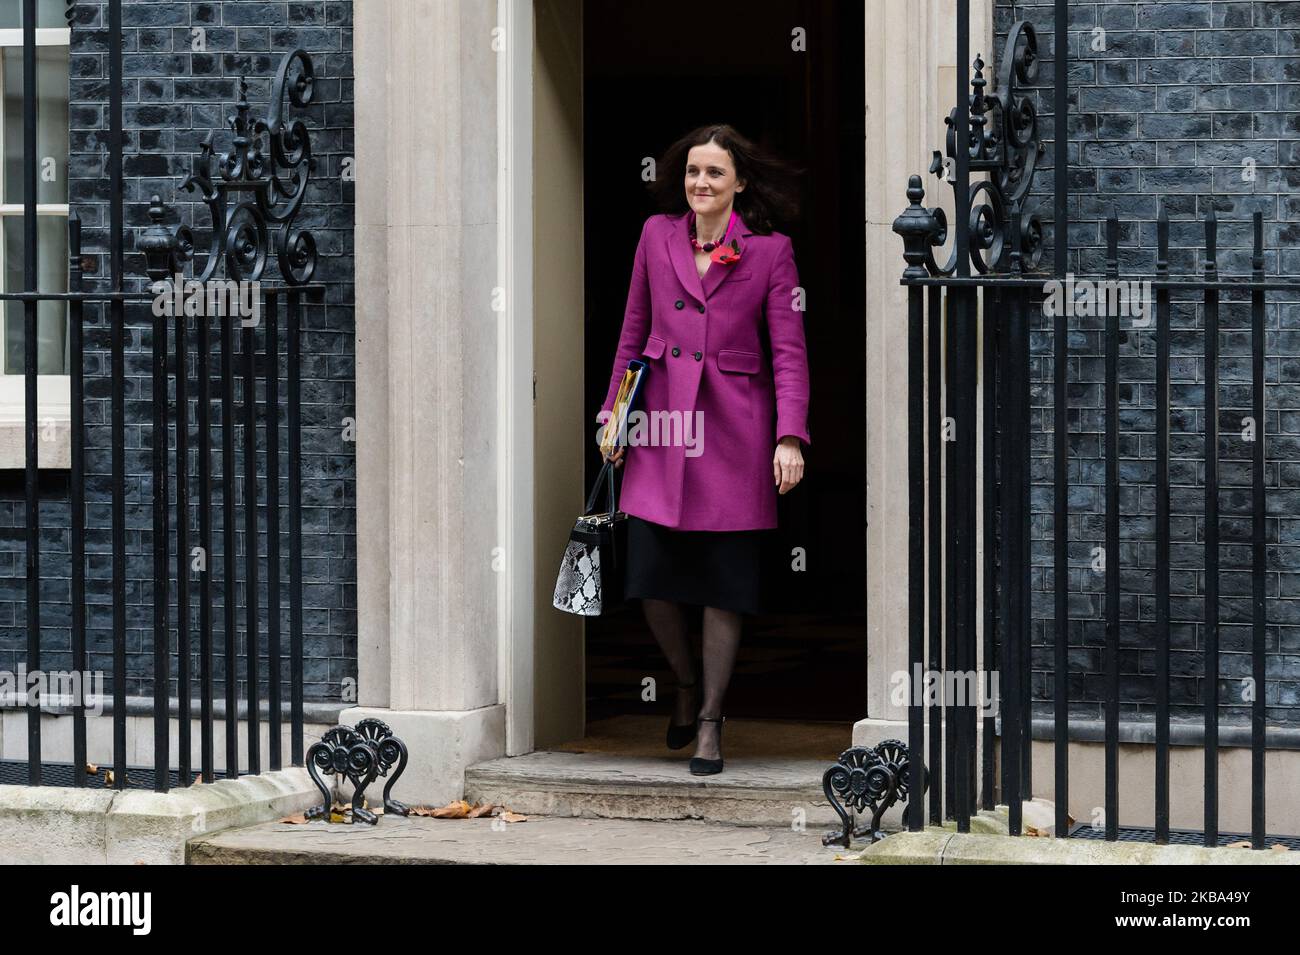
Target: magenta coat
point(725, 353)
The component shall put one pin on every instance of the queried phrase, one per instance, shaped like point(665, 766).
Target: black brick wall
point(1168, 113)
point(174, 94)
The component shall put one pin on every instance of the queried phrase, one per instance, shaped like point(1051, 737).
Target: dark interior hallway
point(790, 78)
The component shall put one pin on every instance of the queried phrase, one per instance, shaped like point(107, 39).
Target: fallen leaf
point(1244, 844)
point(1279, 848)
point(509, 816)
point(92, 769)
point(296, 820)
point(458, 809)
point(337, 817)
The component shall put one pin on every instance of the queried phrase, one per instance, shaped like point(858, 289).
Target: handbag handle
point(606, 474)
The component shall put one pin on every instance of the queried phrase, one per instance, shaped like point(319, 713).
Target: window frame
point(54, 404)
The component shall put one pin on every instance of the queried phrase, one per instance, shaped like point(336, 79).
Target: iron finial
point(158, 243)
point(916, 225)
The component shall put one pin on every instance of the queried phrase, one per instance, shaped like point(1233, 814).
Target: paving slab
point(541, 840)
point(944, 847)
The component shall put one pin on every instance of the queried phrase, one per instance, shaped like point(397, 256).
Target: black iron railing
point(1004, 244)
point(252, 200)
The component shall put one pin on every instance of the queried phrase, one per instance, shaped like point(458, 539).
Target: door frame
point(515, 433)
point(541, 658)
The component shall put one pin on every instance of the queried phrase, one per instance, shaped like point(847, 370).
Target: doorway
point(789, 75)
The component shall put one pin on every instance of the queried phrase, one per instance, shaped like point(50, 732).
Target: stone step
point(751, 790)
point(541, 840)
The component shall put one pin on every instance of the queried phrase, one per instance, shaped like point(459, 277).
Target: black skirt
point(723, 569)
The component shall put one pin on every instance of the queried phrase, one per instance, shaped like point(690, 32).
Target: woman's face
point(711, 181)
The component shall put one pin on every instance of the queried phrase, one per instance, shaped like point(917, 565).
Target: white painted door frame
point(515, 511)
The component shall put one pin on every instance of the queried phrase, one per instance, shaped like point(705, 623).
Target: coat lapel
point(717, 274)
point(682, 256)
point(683, 259)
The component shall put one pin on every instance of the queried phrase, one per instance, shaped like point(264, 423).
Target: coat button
point(699, 356)
point(679, 304)
point(701, 309)
point(676, 351)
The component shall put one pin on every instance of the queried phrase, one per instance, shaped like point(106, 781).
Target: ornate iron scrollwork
point(874, 778)
point(1003, 142)
point(259, 185)
point(360, 754)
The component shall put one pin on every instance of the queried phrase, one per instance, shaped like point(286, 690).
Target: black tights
point(721, 641)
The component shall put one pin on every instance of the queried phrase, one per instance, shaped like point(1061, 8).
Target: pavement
point(541, 840)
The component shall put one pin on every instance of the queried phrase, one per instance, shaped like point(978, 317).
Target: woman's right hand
point(616, 456)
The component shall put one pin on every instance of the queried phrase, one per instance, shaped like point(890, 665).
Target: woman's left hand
point(787, 463)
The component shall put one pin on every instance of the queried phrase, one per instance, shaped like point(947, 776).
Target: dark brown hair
point(770, 196)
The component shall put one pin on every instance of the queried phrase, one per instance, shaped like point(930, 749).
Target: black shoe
point(707, 767)
point(681, 735)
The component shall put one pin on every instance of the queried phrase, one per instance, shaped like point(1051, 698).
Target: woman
point(716, 313)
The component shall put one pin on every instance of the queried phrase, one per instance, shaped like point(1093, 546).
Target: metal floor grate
point(13, 772)
point(1178, 837)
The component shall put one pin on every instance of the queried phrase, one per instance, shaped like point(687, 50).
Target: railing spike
point(1257, 252)
point(1211, 243)
point(1162, 242)
point(1112, 244)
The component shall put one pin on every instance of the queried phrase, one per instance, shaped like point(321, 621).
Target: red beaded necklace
point(710, 246)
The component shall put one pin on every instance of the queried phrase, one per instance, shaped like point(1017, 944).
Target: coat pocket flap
point(654, 347)
point(746, 362)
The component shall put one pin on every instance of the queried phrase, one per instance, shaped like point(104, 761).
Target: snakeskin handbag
point(592, 570)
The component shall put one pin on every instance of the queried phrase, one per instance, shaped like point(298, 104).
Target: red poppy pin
point(726, 255)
